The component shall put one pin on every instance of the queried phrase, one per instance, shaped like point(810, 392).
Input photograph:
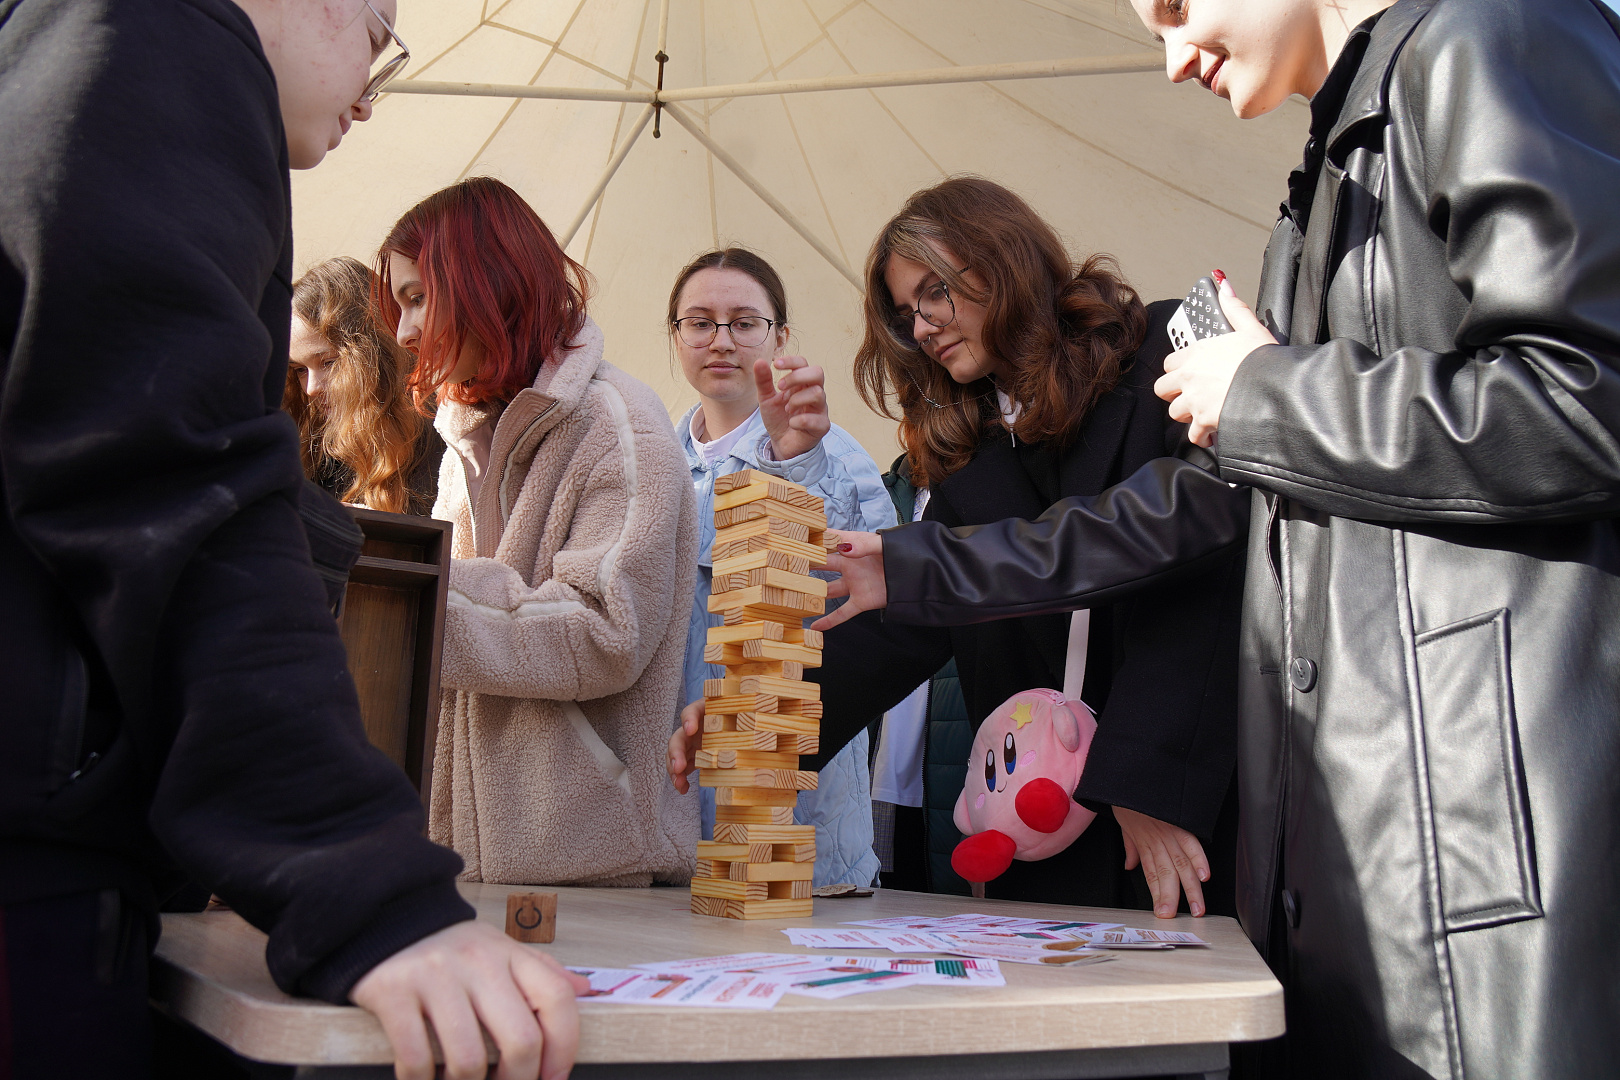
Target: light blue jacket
point(847, 480)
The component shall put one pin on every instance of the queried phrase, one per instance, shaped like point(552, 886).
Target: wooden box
point(393, 629)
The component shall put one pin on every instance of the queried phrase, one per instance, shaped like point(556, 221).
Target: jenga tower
point(762, 715)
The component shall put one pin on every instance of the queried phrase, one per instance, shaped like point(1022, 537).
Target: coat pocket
point(1475, 775)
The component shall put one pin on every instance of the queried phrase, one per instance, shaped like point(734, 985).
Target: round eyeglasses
point(936, 308)
point(746, 332)
point(386, 73)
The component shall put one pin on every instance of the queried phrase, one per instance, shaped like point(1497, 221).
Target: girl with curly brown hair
point(1021, 376)
point(361, 436)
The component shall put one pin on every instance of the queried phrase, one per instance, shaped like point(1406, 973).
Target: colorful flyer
point(713, 990)
point(900, 941)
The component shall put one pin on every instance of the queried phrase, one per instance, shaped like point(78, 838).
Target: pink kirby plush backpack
point(1018, 801)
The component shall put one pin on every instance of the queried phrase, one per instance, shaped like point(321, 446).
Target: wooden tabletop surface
point(211, 972)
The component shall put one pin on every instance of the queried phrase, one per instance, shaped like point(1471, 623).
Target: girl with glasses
point(572, 561)
point(1020, 375)
point(728, 323)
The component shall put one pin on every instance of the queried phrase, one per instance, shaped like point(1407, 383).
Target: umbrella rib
point(607, 175)
point(765, 196)
point(1036, 69)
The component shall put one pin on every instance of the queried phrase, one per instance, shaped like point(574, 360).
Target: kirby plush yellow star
point(1021, 714)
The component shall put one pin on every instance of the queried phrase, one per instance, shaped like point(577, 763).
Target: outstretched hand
point(682, 756)
point(1197, 378)
point(1172, 859)
point(794, 412)
point(467, 979)
point(858, 562)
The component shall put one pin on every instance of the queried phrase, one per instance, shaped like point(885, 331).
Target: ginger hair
point(365, 419)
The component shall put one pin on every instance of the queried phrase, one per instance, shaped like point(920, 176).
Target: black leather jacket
point(1430, 738)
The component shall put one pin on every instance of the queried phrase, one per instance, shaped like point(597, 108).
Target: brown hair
point(733, 258)
point(365, 419)
point(1066, 331)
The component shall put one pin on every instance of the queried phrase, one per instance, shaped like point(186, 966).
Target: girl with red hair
point(574, 555)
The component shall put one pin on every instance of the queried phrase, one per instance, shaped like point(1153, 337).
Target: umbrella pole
point(663, 58)
point(607, 175)
point(770, 200)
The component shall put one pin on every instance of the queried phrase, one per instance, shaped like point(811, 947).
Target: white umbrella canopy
point(1161, 176)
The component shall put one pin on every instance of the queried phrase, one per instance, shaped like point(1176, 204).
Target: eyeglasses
point(386, 73)
point(746, 332)
point(936, 308)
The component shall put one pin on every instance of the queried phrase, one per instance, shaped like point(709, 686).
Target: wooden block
point(773, 871)
point(712, 868)
point(795, 853)
point(758, 560)
point(787, 724)
point(790, 779)
point(532, 917)
point(764, 526)
point(787, 743)
point(814, 555)
point(810, 710)
point(765, 487)
point(776, 669)
point(760, 651)
point(753, 909)
point(760, 685)
point(726, 889)
point(780, 650)
point(769, 741)
point(783, 890)
point(739, 703)
point(792, 689)
point(751, 631)
point(774, 816)
point(812, 518)
point(761, 613)
point(736, 853)
point(745, 759)
point(810, 639)
point(769, 575)
point(783, 835)
point(747, 796)
point(719, 723)
point(747, 477)
point(769, 598)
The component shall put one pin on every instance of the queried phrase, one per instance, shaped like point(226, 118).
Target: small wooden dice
point(532, 917)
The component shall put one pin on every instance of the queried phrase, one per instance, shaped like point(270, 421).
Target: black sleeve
point(1168, 519)
point(1166, 742)
point(1519, 418)
point(868, 666)
point(147, 467)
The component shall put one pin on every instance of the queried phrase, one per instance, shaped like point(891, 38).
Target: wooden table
point(1142, 1014)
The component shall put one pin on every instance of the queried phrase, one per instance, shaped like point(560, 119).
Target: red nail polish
point(846, 547)
point(1220, 277)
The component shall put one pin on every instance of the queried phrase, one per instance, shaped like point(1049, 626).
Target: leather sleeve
point(1170, 517)
point(1512, 140)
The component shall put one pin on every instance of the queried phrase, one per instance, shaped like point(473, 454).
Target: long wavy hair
point(493, 272)
point(365, 419)
point(1066, 331)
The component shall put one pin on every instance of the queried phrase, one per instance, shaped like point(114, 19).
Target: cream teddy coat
point(570, 584)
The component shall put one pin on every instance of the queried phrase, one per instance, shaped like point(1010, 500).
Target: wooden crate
point(393, 630)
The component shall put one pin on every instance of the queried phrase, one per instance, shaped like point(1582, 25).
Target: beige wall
point(1162, 176)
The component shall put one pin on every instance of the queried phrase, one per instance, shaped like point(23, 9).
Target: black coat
point(176, 697)
point(1430, 754)
point(1159, 667)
